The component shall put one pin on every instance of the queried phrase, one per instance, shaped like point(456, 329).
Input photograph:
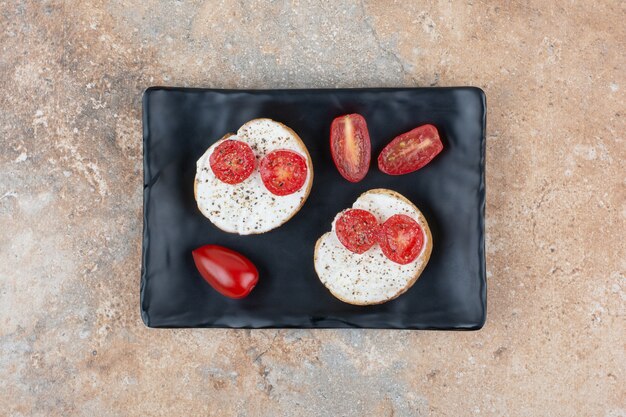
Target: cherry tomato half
point(350, 146)
point(356, 230)
point(228, 272)
point(410, 151)
point(401, 238)
point(232, 161)
point(283, 172)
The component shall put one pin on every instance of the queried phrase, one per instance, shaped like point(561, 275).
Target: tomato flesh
point(350, 146)
point(228, 272)
point(356, 230)
point(232, 161)
point(410, 151)
point(401, 239)
point(283, 172)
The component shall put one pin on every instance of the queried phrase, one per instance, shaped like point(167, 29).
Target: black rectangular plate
point(180, 124)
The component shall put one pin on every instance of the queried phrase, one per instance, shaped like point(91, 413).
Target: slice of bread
point(248, 207)
point(370, 278)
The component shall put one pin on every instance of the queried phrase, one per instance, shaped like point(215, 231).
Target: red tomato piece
point(283, 172)
point(350, 146)
point(401, 239)
point(232, 161)
point(410, 151)
point(228, 272)
point(356, 230)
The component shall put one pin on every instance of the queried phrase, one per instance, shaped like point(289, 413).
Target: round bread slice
point(248, 207)
point(370, 278)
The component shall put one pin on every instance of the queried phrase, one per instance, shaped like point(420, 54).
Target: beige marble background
point(71, 338)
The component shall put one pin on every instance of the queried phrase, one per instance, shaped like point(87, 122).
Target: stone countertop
point(71, 338)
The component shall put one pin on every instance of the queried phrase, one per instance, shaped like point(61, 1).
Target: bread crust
point(423, 257)
point(302, 147)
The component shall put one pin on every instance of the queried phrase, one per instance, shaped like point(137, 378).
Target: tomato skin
point(401, 239)
point(232, 161)
point(228, 272)
point(356, 230)
point(410, 151)
point(283, 172)
point(350, 146)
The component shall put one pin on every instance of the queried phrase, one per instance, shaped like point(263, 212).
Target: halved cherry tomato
point(283, 172)
point(350, 146)
point(410, 151)
point(356, 230)
point(232, 161)
point(228, 272)
point(401, 239)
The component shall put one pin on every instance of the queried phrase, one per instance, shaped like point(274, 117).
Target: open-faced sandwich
point(255, 180)
point(375, 251)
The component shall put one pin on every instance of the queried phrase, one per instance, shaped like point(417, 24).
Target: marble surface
point(71, 338)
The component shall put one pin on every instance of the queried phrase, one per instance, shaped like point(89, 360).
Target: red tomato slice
point(283, 172)
point(401, 239)
point(228, 272)
point(356, 230)
point(410, 151)
point(232, 161)
point(350, 146)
